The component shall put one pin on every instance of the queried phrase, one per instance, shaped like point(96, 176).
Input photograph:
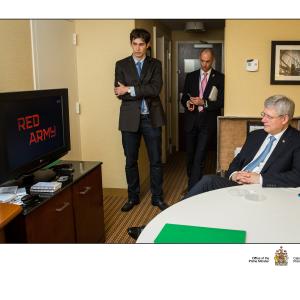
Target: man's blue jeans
point(131, 144)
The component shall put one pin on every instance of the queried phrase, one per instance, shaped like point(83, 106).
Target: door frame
point(58, 32)
point(176, 81)
point(162, 47)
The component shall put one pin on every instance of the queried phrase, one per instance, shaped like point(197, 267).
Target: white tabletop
point(268, 215)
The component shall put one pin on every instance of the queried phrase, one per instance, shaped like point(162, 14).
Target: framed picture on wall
point(285, 62)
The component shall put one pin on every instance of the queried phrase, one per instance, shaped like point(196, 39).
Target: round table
point(268, 215)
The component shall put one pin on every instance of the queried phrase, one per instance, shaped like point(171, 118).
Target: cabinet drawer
point(53, 221)
point(88, 208)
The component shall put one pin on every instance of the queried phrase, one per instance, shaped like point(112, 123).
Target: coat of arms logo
point(281, 257)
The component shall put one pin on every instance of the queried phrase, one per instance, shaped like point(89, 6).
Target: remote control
point(62, 178)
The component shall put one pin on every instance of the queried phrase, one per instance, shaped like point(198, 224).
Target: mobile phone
point(190, 105)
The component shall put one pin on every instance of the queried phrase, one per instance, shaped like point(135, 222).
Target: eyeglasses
point(269, 117)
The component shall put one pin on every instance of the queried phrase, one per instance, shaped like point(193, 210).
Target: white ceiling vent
point(194, 26)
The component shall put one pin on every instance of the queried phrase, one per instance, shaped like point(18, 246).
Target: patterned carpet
point(175, 181)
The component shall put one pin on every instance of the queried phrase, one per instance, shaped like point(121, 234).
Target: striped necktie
point(139, 68)
point(203, 84)
point(144, 109)
point(252, 165)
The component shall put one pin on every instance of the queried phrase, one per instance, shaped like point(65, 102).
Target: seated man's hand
point(236, 177)
point(243, 177)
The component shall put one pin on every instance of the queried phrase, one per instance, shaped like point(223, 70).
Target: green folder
point(184, 234)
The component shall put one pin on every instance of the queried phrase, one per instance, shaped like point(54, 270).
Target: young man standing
point(138, 81)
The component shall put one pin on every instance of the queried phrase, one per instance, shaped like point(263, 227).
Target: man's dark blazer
point(213, 109)
point(146, 87)
point(282, 169)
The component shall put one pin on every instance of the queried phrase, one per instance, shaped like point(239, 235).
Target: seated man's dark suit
point(199, 127)
point(147, 87)
point(282, 169)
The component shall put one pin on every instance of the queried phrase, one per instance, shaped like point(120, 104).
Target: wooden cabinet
point(53, 221)
point(88, 208)
point(74, 214)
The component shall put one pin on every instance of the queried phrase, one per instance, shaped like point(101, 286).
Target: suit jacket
point(282, 169)
point(213, 109)
point(147, 87)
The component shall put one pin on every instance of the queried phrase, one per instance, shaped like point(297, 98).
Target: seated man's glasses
point(269, 117)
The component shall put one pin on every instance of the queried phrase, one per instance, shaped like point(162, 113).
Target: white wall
point(15, 56)
point(100, 44)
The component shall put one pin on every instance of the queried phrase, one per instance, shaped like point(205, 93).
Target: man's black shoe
point(161, 204)
point(129, 205)
point(135, 232)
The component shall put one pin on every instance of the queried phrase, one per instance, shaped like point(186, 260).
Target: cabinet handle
point(63, 207)
point(85, 191)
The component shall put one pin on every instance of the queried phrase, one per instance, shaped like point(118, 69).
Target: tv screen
point(34, 130)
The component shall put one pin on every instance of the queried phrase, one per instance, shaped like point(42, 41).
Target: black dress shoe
point(135, 232)
point(161, 204)
point(129, 205)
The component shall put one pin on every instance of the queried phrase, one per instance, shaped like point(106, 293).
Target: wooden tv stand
point(74, 214)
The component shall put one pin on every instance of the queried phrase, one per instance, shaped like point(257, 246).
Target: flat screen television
point(34, 130)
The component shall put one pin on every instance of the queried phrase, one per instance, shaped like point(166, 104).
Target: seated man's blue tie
point(144, 109)
point(252, 165)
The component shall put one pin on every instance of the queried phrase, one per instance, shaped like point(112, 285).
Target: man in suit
point(138, 81)
point(203, 98)
point(270, 156)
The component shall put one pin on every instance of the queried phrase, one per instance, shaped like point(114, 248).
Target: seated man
point(270, 156)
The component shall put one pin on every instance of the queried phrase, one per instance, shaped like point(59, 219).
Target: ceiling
point(179, 24)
